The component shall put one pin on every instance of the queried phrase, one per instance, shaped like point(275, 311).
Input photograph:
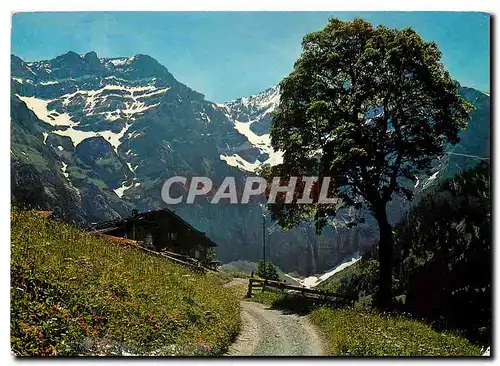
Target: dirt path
point(268, 332)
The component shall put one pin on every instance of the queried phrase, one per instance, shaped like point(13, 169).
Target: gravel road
point(268, 332)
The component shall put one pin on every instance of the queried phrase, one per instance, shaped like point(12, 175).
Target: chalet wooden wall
point(164, 231)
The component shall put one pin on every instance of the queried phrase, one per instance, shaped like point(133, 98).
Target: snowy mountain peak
point(132, 105)
point(254, 107)
point(73, 65)
point(251, 117)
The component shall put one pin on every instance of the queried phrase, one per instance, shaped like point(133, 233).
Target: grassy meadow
point(77, 294)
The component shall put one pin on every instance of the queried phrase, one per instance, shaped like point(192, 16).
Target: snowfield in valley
point(313, 281)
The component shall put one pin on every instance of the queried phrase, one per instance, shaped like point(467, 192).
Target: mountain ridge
point(139, 127)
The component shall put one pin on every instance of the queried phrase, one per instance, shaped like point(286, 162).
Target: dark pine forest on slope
point(443, 259)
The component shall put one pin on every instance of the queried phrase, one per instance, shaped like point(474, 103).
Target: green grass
point(98, 182)
point(333, 283)
point(295, 303)
point(222, 276)
point(351, 332)
point(29, 155)
point(76, 172)
point(363, 332)
point(72, 293)
point(267, 297)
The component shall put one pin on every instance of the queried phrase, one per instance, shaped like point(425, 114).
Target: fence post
point(249, 292)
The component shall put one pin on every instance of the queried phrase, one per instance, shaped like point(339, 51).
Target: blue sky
point(226, 55)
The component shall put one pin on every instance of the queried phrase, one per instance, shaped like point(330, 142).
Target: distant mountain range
point(92, 138)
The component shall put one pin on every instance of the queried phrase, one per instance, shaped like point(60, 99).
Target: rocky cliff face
point(94, 137)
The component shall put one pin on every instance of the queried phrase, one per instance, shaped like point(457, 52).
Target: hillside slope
point(72, 293)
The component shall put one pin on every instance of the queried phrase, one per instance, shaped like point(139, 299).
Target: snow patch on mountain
point(134, 104)
point(254, 109)
point(238, 162)
point(119, 62)
point(63, 169)
point(135, 101)
point(78, 136)
point(256, 105)
point(431, 179)
point(49, 82)
point(121, 190)
point(132, 169)
point(39, 107)
point(313, 281)
point(263, 143)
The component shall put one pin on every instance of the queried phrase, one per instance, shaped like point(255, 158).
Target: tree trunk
point(384, 296)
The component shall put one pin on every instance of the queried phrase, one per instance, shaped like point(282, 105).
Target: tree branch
point(394, 178)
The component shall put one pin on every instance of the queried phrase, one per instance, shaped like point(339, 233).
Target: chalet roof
point(106, 226)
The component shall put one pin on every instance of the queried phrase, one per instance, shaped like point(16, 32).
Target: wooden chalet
point(161, 230)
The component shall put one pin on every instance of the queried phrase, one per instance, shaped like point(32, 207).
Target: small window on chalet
point(148, 240)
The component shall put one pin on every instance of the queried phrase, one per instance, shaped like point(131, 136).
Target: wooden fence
point(322, 295)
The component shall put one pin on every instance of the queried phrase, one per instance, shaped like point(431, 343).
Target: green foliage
point(210, 255)
point(267, 270)
point(222, 277)
point(379, 104)
point(244, 269)
point(287, 302)
point(442, 258)
point(267, 297)
point(443, 255)
point(73, 293)
point(371, 108)
point(239, 266)
point(240, 275)
point(361, 283)
point(30, 156)
point(352, 332)
point(360, 331)
point(333, 283)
